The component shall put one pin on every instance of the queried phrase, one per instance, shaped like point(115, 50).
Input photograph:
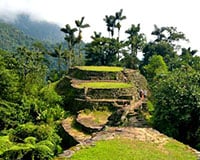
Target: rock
point(67, 153)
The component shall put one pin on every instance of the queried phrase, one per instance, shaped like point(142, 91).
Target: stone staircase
point(78, 135)
point(135, 119)
point(80, 130)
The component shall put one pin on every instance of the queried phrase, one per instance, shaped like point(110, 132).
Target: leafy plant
point(176, 102)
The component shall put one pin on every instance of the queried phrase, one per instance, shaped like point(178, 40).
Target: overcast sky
point(183, 14)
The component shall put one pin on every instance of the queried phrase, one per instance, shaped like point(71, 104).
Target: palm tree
point(71, 42)
point(135, 43)
point(119, 17)
point(159, 33)
point(80, 25)
point(96, 35)
point(69, 35)
point(136, 40)
point(110, 23)
point(113, 22)
point(60, 54)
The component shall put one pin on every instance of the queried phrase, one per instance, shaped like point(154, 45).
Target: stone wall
point(93, 75)
point(76, 99)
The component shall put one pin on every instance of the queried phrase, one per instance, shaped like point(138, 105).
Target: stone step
point(92, 121)
point(103, 100)
point(78, 135)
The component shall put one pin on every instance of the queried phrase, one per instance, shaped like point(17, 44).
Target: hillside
point(24, 32)
point(108, 118)
point(40, 30)
point(11, 38)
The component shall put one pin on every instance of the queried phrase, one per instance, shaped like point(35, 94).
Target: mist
point(181, 14)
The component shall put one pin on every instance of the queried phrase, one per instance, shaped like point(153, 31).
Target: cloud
point(9, 9)
point(181, 14)
point(37, 9)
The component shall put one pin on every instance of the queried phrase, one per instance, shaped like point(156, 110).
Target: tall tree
point(94, 50)
point(186, 58)
point(119, 17)
point(102, 50)
point(113, 21)
point(168, 34)
point(165, 44)
point(110, 23)
point(31, 68)
point(71, 42)
point(136, 40)
point(80, 26)
point(60, 54)
point(135, 43)
point(162, 48)
point(9, 80)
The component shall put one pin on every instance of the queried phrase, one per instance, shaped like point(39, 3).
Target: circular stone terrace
point(100, 68)
point(101, 84)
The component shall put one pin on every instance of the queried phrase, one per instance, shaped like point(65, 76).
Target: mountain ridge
point(11, 38)
point(39, 30)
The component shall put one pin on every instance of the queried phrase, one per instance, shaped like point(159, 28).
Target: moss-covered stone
point(77, 98)
point(93, 75)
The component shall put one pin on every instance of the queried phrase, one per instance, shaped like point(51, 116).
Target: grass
point(126, 149)
point(100, 68)
point(99, 117)
point(103, 85)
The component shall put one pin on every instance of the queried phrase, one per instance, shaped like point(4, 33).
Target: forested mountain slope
point(11, 37)
point(24, 31)
point(40, 30)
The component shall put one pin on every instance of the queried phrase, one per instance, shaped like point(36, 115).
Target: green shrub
point(4, 144)
point(150, 106)
point(49, 95)
point(39, 151)
point(43, 152)
point(23, 133)
point(30, 140)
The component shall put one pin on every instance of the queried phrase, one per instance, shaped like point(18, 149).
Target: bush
point(37, 151)
point(32, 141)
point(177, 105)
point(4, 144)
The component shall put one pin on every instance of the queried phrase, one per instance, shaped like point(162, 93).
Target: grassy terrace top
point(131, 149)
point(103, 85)
point(100, 68)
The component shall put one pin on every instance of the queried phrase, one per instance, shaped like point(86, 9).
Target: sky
point(183, 14)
